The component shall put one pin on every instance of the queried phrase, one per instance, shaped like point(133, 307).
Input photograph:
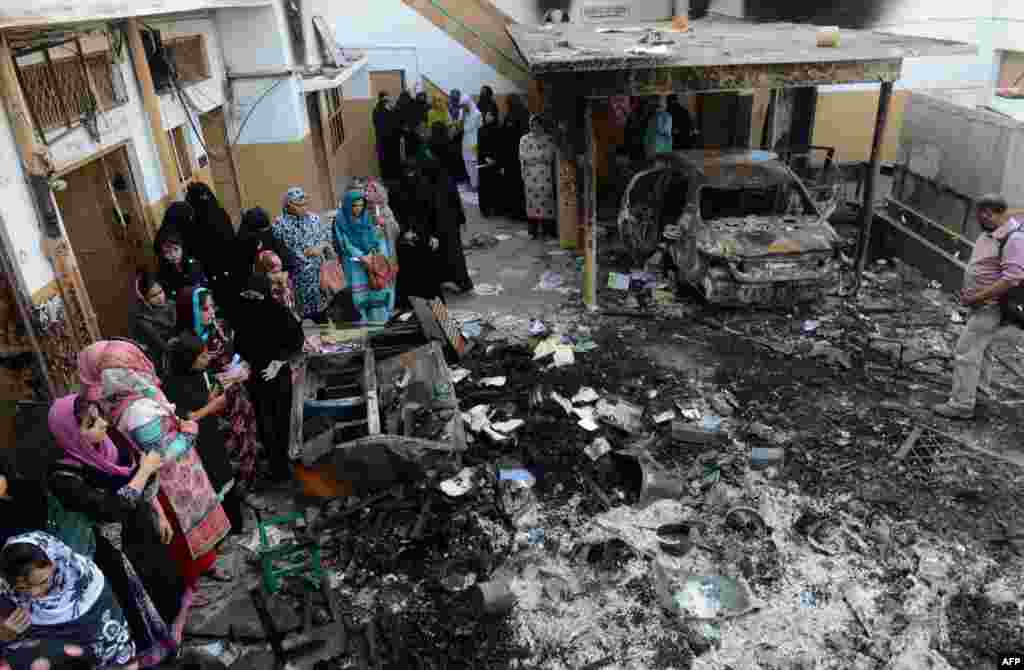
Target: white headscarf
point(467, 100)
point(76, 584)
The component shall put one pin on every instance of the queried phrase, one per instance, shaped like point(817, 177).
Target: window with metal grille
point(58, 90)
point(335, 120)
point(189, 58)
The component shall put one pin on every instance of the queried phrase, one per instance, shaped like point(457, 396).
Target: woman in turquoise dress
point(367, 257)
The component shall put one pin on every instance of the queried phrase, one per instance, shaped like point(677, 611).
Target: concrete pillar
point(568, 194)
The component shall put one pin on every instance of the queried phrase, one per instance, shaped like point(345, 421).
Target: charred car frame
point(739, 226)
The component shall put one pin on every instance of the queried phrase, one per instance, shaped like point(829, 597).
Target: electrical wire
point(270, 89)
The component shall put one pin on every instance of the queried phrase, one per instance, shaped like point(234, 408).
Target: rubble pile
point(687, 488)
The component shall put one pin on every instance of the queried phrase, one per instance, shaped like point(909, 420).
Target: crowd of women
point(160, 448)
point(507, 159)
point(177, 424)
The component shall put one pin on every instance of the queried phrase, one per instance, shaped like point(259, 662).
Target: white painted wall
point(387, 23)
point(272, 110)
point(357, 86)
point(266, 110)
point(254, 39)
point(19, 214)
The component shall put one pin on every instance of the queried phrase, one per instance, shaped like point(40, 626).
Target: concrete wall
point(971, 151)
point(19, 214)
point(423, 48)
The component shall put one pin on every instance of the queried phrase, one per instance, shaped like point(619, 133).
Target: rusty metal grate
point(931, 457)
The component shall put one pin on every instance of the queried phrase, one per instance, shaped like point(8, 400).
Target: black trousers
point(273, 405)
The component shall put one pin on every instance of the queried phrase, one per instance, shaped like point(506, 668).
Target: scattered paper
point(509, 426)
point(488, 289)
point(558, 252)
point(664, 417)
point(502, 237)
point(493, 381)
point(459, 374)
point(711, 422)
point(549, 281)
point(585, 396)
point(478, 417)
point(405, 317)
point(517, 475)
point(689, 413)
point(565, 403)
point(588, 425)
point(618, 281)
point(598, 448)
point(564, 356)
point(957, 317)
point(472, 329)
point(460, 484)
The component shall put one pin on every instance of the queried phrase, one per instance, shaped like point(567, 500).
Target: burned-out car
point(739, 226)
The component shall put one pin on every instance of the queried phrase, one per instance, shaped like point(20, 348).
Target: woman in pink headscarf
point(104, 482)
point(121, 380)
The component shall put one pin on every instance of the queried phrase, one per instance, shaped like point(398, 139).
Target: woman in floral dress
point(306, 239)
point(537, 155)
point(118, 376)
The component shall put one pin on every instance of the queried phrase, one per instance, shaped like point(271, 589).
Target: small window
point(335, 121)
point(182, 153)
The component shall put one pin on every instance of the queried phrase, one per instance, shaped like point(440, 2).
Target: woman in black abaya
point(516, 124)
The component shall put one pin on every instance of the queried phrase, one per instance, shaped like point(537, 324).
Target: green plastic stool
point(293, 559)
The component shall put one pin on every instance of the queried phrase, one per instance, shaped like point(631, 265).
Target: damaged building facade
point(110, 111)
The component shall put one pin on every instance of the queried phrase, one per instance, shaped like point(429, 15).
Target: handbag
point(381, 271)
point(1013, 302)
point(332, 279)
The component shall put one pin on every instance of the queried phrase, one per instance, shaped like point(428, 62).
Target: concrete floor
point(516, 265)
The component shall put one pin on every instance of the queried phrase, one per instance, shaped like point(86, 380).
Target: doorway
point(215, 132)
point(324, 198)
point(102, 214)
point(391, 82)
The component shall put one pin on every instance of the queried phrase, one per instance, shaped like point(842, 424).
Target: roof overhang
point(49, 13)
point(333, 79)
point(715, 54)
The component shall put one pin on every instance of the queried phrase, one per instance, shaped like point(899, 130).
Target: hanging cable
point(270, 89)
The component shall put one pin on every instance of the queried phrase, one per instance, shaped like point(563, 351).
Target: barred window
point(59, 92)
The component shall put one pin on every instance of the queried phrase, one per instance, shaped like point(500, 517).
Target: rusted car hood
point(755, 236)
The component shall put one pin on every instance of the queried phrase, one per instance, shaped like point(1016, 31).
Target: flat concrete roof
point(36, 13)
point(716, 53)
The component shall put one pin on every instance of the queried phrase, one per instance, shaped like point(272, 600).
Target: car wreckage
point(739, 226)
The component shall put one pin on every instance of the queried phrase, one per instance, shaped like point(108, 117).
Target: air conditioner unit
point(619, 11)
